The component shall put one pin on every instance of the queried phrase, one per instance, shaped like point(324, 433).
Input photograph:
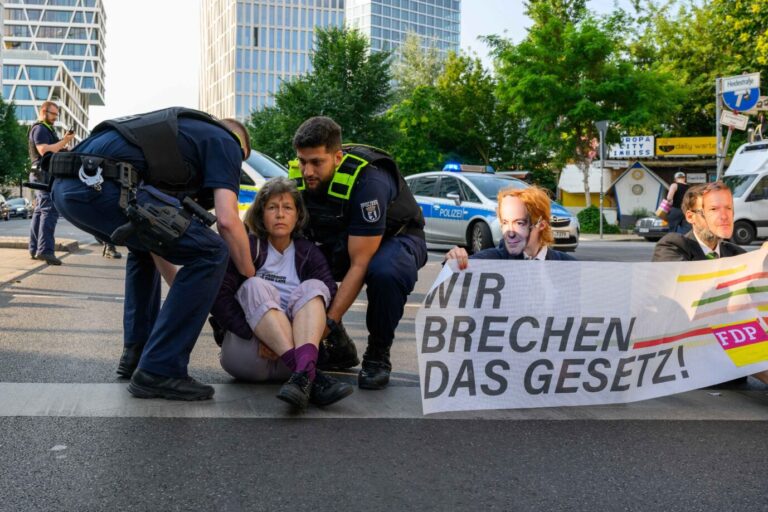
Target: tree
point(347, 83)
point(14, 159)
point(571, 70)
point(416, 66)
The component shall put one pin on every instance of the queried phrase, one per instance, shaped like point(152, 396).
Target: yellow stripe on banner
point(686, 278)
point(764, 307)
point(720, 326)
point(750, 354)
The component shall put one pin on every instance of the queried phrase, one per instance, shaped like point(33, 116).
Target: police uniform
point(44, 217)
point(364, 199)
point(168, 334)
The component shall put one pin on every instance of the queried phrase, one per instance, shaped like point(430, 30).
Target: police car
point(460, 209)
point(256, 169)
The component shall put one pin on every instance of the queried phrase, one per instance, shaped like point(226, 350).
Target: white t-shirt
point(280, 270)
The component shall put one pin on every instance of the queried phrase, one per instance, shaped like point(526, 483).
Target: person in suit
point(526, 234)
point(709, 210)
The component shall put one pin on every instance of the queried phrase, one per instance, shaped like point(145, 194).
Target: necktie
point(712, 256)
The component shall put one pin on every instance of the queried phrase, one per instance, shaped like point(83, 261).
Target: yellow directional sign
point(685, 146)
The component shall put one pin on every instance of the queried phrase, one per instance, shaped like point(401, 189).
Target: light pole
point(602, 127)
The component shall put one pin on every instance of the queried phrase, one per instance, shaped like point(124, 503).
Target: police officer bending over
point(132, 182)
point(369, 226)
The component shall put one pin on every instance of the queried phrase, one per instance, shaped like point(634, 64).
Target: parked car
point(19, 207)
point(651, 228)
point(256, 169)
point(460, 209)
point(4, 209)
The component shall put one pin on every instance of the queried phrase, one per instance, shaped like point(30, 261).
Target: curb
point(22, 242)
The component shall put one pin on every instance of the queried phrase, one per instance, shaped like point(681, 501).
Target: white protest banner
point(513, 334)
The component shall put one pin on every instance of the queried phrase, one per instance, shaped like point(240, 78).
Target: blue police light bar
point(452, 167)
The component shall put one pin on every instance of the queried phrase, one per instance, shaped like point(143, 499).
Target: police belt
point(68, 165)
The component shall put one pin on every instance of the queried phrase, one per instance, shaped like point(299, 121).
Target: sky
point(153, 48)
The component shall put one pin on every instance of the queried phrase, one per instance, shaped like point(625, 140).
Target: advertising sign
point(686, 146)
point(636, 146)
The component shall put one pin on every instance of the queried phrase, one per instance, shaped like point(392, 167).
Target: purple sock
point(306, 360)
point(289, 358)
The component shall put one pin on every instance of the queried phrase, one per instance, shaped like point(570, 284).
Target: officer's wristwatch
point(331, 323)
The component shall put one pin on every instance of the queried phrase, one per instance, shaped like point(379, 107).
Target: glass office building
point(250, 46)
point(56, 48)
point(388, 22)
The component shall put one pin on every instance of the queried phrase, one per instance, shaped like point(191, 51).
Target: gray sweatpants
point(240, 357)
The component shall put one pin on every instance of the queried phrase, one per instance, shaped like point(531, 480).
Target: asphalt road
point(72, 438)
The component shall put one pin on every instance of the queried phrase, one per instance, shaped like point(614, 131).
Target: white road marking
point(258, 401)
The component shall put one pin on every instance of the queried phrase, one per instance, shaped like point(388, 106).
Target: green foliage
point(347, 83)
point(589, 221)
point(14, 159)
point(416, 66)
point(415, 121)
point(572, 70)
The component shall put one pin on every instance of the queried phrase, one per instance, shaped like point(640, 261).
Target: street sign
point(737, 121)
point(740, 82)
point(617, 164)
point(741, 100)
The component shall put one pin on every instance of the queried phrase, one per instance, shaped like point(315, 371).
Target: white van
point(747, 177)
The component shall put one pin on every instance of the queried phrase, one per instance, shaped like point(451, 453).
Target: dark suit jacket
point(677, 247)
point(500, 253)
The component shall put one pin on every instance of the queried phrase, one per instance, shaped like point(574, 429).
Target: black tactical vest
point(155, 133)
point(327, 214)
point(34, 155)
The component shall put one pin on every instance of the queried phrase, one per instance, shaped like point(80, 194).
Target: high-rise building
point(54, 50)
point(250, 46)
point(388, 22)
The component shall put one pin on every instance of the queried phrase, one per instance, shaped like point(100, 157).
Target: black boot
point(376, 369)
point(129, 360)
point(110, 252)
point(337, 351)
point(296, 390)
point(326, 390)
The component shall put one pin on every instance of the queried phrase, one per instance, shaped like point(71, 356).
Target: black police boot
point(110, 252)
point(376, 369)
point(326, 390)
point(149, 385)
point(337, 351)
point(296, 390)
point(129, 360)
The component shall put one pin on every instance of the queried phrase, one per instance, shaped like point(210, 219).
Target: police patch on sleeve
point(371, 211)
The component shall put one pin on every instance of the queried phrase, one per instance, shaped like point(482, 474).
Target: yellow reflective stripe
point(344, 178)
point(249, 188)
point(294, 173)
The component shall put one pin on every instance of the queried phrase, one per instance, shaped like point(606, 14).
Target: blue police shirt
point(41, 134)
point(207, 147)
point(367, 211)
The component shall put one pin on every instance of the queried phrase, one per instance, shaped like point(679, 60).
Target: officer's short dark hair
point(318, 131)
point(254, 217)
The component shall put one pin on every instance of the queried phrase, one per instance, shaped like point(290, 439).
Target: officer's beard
point(320, 191)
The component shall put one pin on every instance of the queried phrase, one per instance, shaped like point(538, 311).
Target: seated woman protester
point(275, 320)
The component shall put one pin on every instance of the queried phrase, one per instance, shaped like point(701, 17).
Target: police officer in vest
point(132, 182)
point(42, 139)
point(369, 226)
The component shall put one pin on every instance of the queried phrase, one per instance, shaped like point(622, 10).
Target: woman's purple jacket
point(310, 264)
